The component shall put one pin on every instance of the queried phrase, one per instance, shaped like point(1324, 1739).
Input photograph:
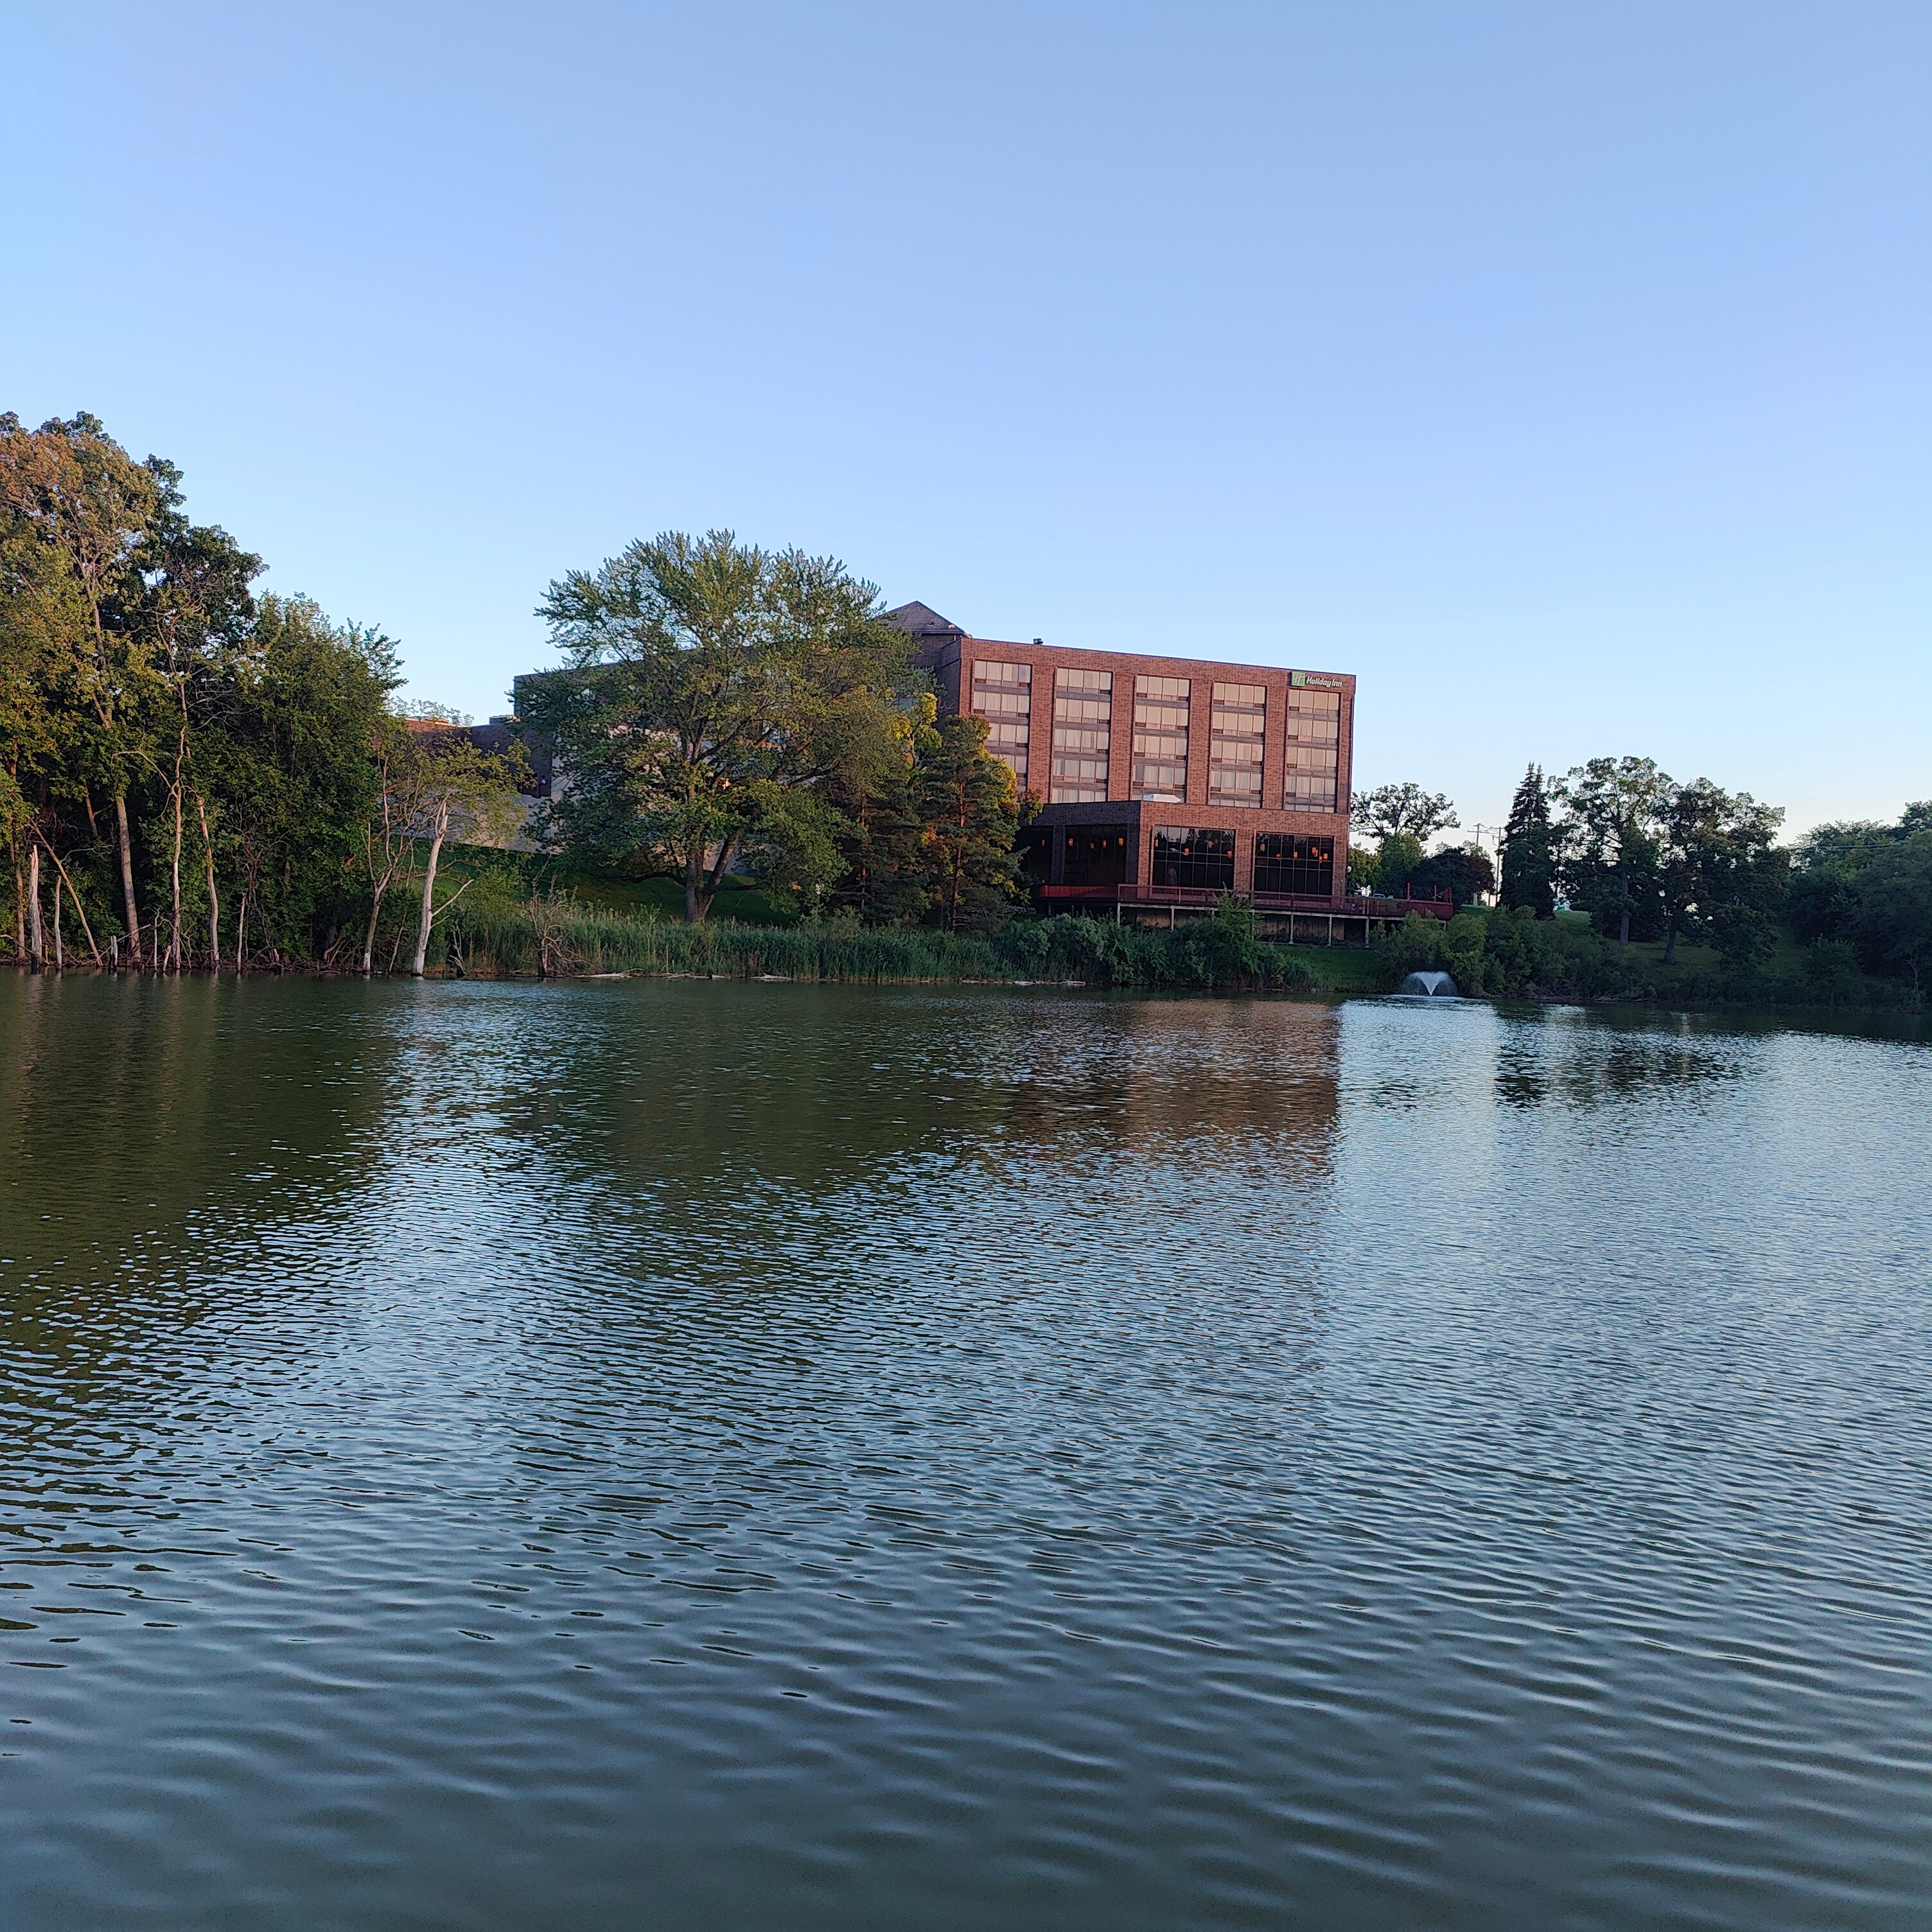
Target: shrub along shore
point(560, 938)
point(1489, 953)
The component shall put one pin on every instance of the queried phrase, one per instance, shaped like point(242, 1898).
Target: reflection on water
point(706, 1455)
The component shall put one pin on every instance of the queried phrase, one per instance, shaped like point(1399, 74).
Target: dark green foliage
point(1464, 872)
point(1398, 856)
point(1720, 873)
point(1892, 923)
point(1530, 848)
point(882, 880)
point(1831, 974)
point(1509, 954)
point(971, 819)
point(1615, 813)
point(293, 776)
point(1869, 886)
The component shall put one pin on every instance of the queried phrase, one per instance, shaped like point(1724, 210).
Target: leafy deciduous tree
point(1615, 811)
point(1404, 810)
point(713, 690)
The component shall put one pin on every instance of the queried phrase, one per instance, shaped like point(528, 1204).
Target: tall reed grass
point(560, 937)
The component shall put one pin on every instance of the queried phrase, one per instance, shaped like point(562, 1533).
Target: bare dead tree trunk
point(60, 951)
point(213, 902)
point(126, 846)
point(417, 965)
point(36, 944)
point(369, 934)
point(241, 931)
point(79, 911)
point(174, 934)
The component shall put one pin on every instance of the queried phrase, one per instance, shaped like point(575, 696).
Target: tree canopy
point(1404, 810)
point(725, 707)
point(187, 769)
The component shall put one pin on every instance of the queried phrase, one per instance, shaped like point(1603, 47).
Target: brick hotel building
point(1165, 781)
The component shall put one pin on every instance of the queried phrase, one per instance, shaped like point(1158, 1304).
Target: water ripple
point(708, 1455)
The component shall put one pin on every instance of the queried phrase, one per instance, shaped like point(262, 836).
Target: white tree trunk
point(417, 964)
point(36, 940)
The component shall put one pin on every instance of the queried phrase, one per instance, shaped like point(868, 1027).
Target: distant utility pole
point(1496, 834)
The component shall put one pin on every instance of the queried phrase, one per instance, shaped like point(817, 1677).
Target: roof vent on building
point(1040, 640)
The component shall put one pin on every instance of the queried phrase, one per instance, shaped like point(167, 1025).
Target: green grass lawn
point(1340, 969)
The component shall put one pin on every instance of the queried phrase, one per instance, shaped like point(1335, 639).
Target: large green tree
point(1869, 886)
point(713, 691)
point(1718, 869)
point(188, 605)
point(1464, 872)
point(69, 490)
point(1892, 922)
point(1615, 811)
point(1531, 848)
point(1403, 811)
point(971, 815)
point(883, 879)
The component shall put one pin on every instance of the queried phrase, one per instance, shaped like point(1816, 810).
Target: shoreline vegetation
point(737, 767)
point(496, 929)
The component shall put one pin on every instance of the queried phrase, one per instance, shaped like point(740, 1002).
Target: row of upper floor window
point(1077, 768)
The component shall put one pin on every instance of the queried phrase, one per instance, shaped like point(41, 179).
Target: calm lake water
point(679, 1455)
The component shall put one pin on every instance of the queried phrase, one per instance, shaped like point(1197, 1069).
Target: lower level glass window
point(1286, 862)
point(1188, 855)
point(1096, 855)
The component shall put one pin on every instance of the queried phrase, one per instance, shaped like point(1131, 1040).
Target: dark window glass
point(1286, 862)
point(1187, 855)
point(1096, 855)
point(1036, 851)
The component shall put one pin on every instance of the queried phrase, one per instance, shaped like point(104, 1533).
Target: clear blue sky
point(1562, 371)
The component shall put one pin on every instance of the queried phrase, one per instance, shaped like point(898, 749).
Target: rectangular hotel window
point(1314, 735)
point(1187, 855)
point(1286, 862)
point(1083, 735)
point(1096, 855)
point(1003, 695)
point(1160, 738)
point(1234, 746)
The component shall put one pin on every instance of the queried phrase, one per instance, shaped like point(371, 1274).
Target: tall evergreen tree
point(971, 818)
point(1529, 854)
